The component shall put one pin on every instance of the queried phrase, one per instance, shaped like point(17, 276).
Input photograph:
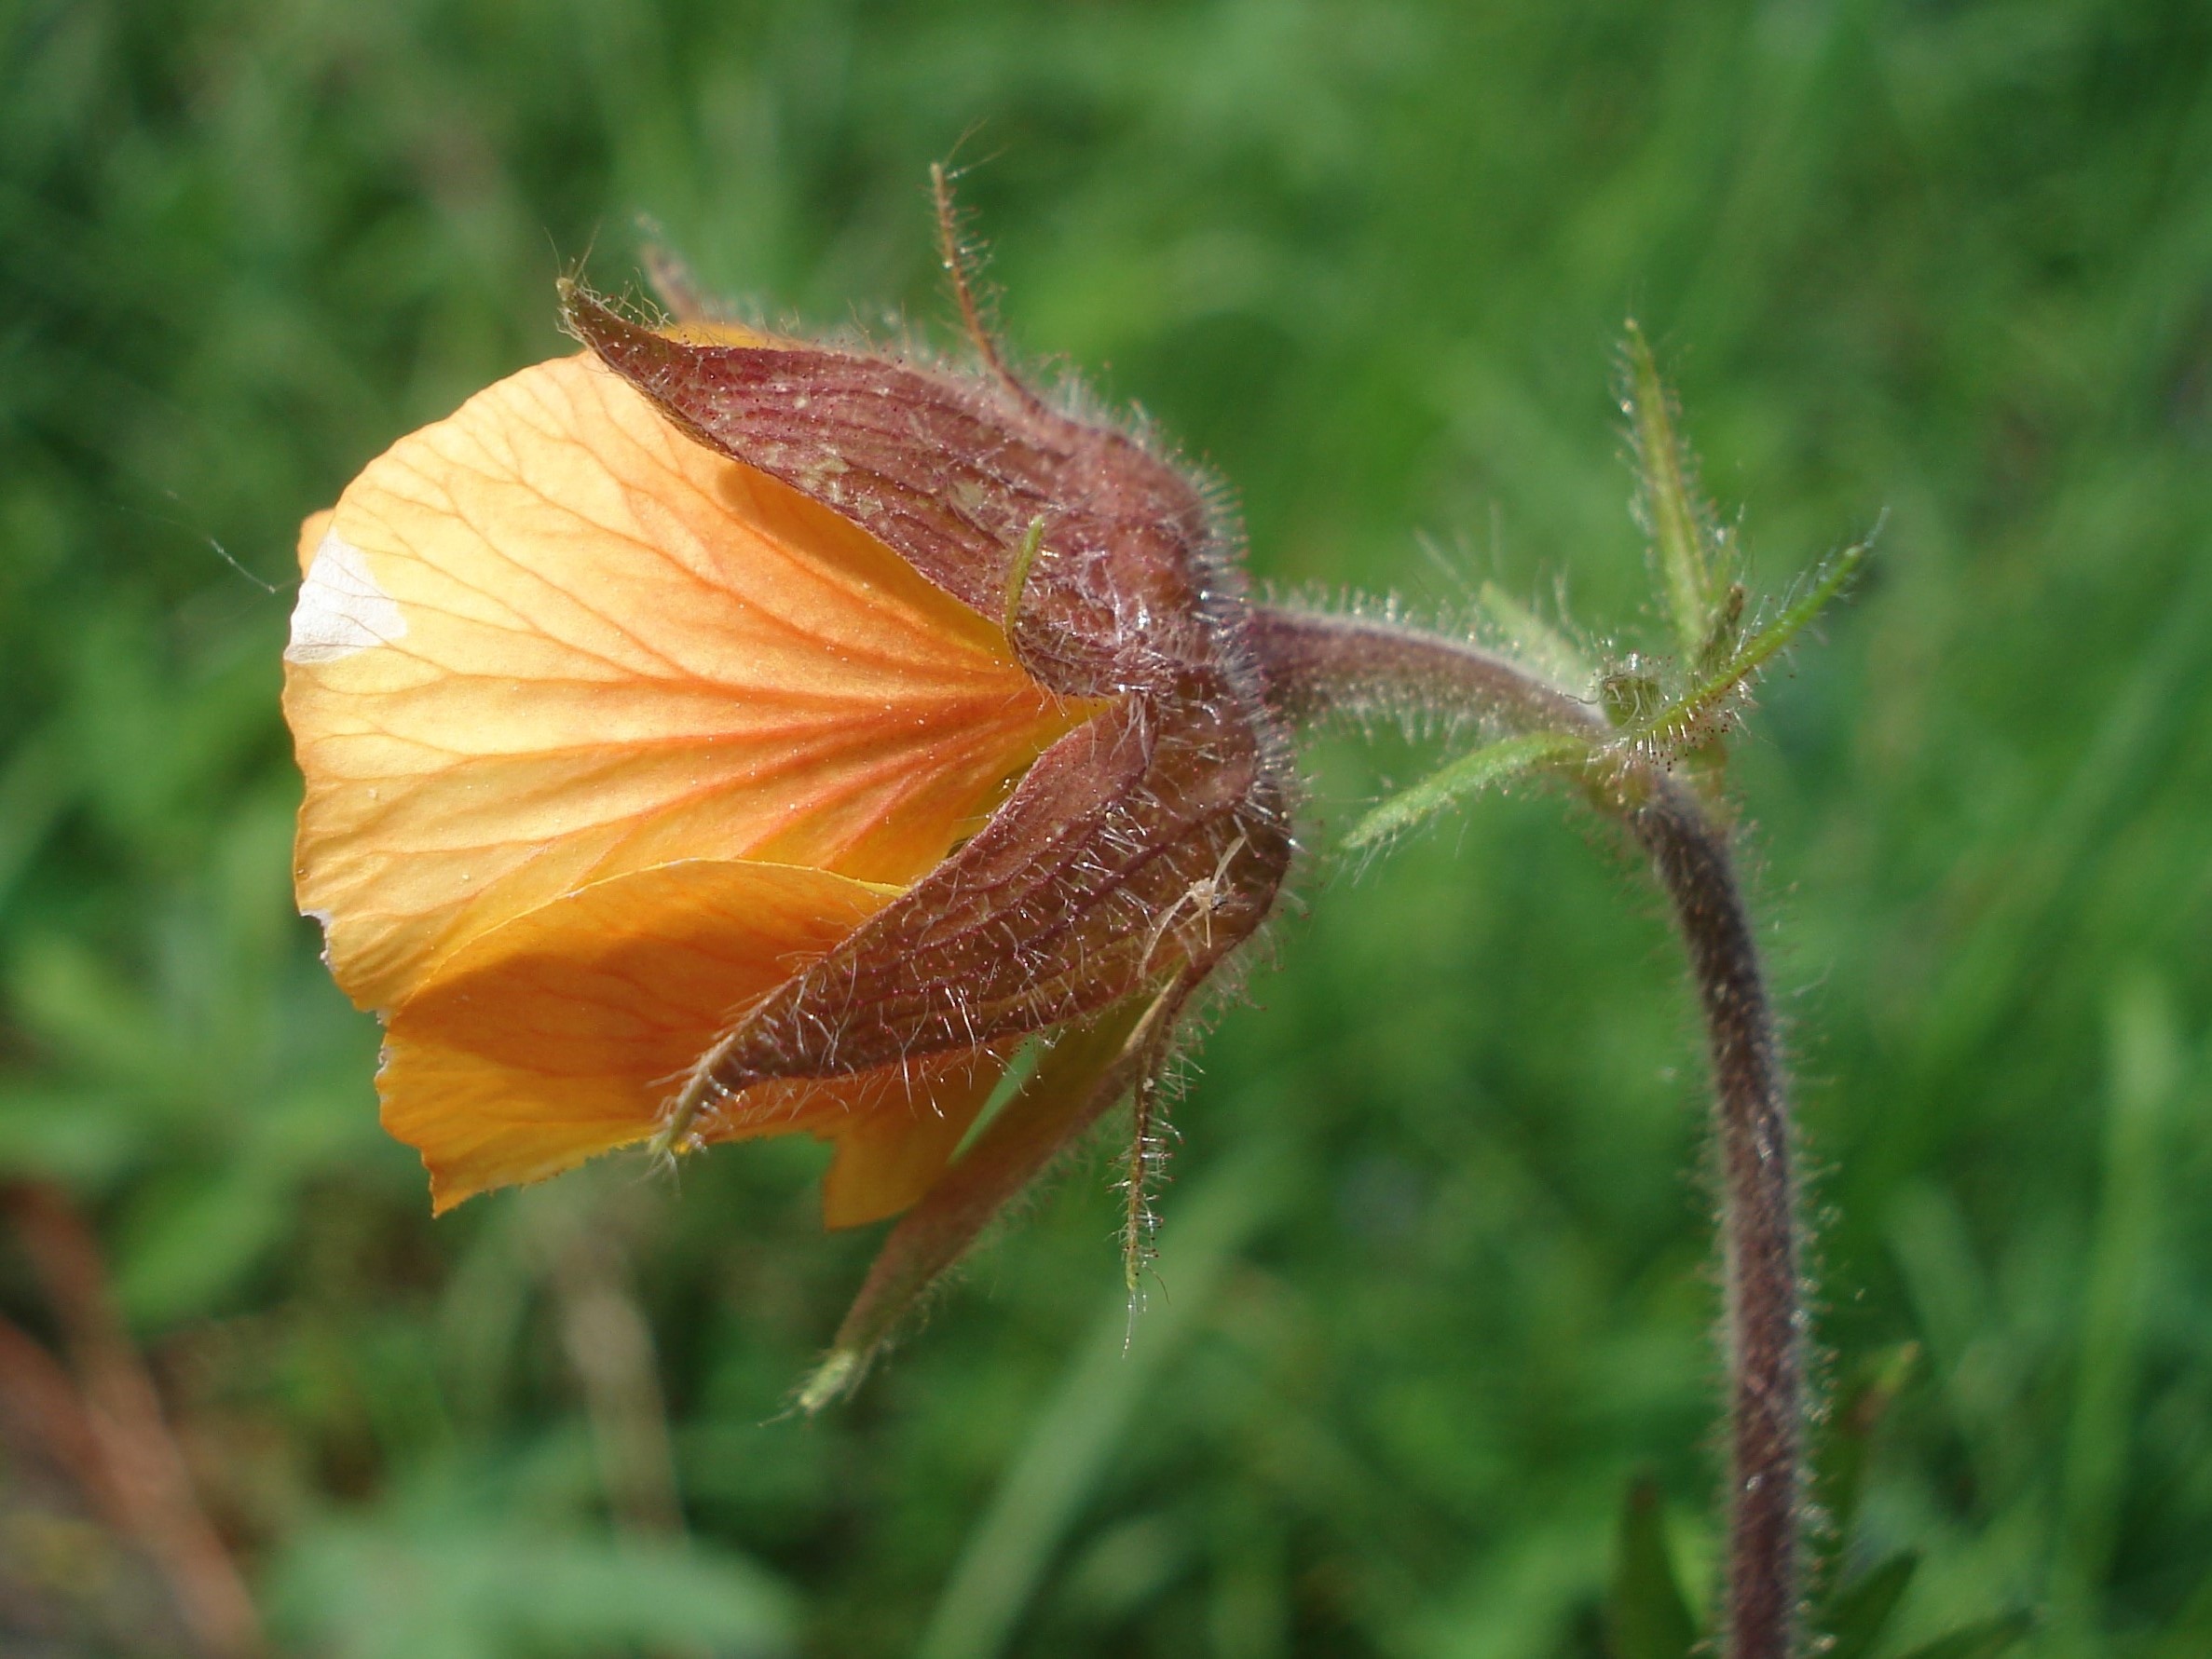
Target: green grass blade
point(1646, 1616)
point(1492, 764)
point(1989, 1640)
point(1074, 1440)
point(1861, 1610)
point(2148, 1069)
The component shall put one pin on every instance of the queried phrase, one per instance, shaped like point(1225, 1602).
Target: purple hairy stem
point(1314, 665)
point(1766, 1320)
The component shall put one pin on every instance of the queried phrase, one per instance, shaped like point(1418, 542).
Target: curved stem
point(1764, 1321)
point(1314, 664)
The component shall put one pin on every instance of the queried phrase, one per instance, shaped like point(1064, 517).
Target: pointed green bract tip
point(833, 1379)
point(1691, 554)
point(1646, 1616)
point(1492, 763)
point(1536, 642)
point(1859, 1614)
point(1701, 713)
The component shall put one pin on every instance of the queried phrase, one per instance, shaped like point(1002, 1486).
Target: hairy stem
point(1764, 1321)
point(1313, 665)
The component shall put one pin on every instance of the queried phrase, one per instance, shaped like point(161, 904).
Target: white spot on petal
point(341, 610)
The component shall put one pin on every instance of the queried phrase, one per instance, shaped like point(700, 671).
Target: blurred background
point(1437, 1278)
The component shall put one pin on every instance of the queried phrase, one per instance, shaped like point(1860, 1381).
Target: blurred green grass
point(1945, 267)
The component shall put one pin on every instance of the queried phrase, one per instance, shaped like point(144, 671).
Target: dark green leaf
point(1646, 1616)
point(1841, 1463)
point(1987, 1640)
point(1861, 1610)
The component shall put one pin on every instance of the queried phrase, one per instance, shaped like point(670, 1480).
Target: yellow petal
point(312, 529)
point(886, 1159)
point(558, 1035)
point(549, 640)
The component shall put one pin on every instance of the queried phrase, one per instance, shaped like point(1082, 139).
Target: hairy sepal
point(965, 479)
point(1135, 855)
point(1091, 1065)
point(1149, 840)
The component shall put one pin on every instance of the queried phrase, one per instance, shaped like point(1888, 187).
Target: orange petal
point(550, 641)
point(555, 1036)
point(888, 1157)
point(312, 529)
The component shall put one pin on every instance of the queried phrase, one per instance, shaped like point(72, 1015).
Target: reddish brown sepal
point(1137, 852)
point(1090, 1068)
point(1144, 842)
point(954, 472)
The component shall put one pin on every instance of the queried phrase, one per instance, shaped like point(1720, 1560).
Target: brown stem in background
point(42, 1404)
point(143, 1476)
point(609, 1343)
point(1316, 664)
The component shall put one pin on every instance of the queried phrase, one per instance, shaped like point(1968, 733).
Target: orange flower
point(717, 736)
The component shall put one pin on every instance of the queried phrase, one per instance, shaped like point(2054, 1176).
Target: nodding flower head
point(718, 735)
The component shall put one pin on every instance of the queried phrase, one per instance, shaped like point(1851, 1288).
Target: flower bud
point(720, 736)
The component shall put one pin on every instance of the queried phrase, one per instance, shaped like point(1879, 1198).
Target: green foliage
point(1697, 712)
point(1696, 563)
point(1481, 769)
point(1990, 1639)
point(1859, 1614)
point(1646, 1615)
point(1845, 1452)
point(1667, 711)
point(441, 1579)
point(1943, 263)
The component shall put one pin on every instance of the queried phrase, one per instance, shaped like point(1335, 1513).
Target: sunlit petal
point(887, 1157)
point(550, 641)
point(556, 1035)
